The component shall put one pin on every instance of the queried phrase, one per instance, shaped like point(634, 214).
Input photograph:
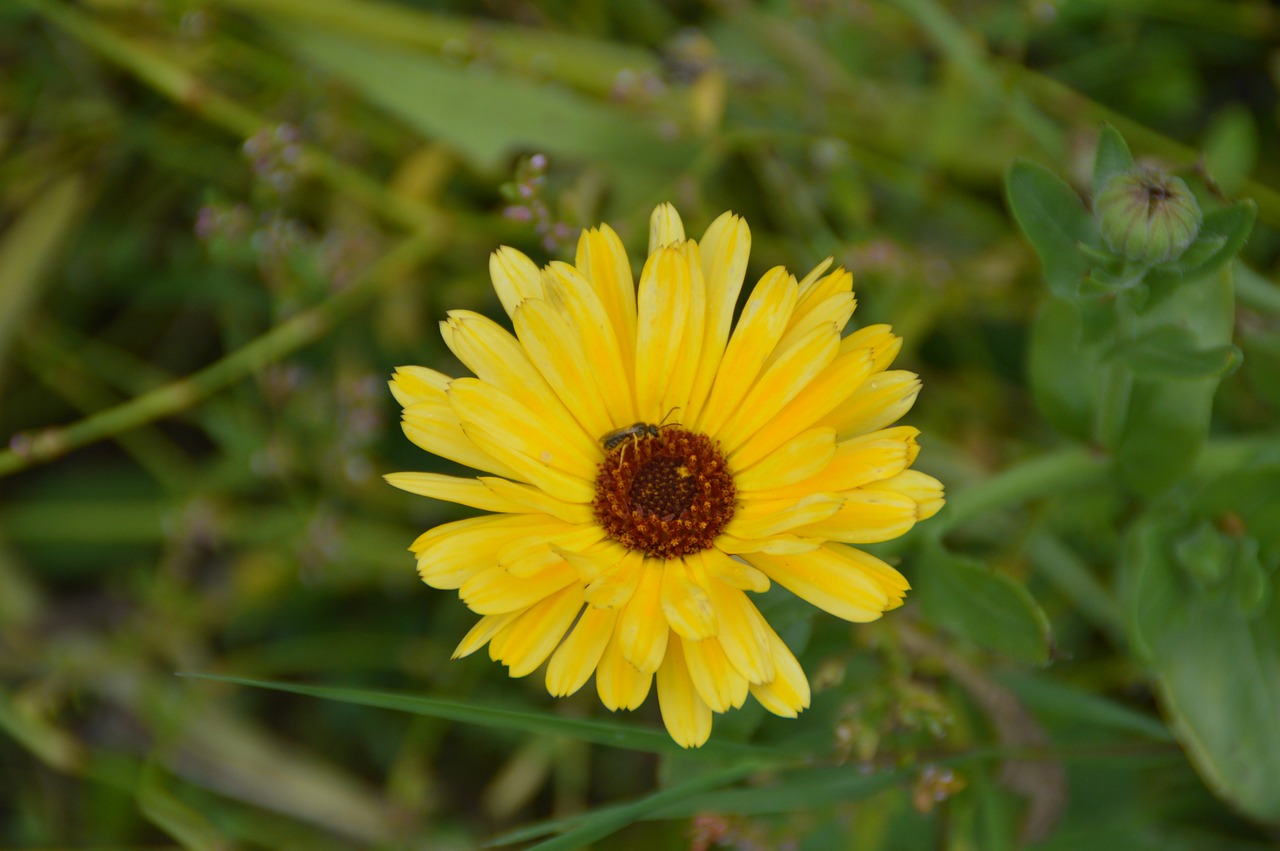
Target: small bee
point(613, 439)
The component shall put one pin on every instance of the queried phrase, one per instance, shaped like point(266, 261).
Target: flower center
point(666, 494)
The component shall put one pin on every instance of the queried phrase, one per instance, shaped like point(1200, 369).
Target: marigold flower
point(650, 463)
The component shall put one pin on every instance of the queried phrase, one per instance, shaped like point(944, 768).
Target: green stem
point(306, 327)
point(1051, 474)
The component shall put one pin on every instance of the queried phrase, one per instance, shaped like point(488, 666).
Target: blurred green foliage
point(223, 223)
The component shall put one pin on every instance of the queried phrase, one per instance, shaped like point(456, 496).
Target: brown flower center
point(666, 494)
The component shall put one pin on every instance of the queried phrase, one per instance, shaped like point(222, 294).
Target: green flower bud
point(1147, 216)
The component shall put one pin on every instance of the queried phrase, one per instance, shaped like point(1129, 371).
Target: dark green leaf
point(1113, 157)
point(1055, 222)
point(1062, 365)
point(1170, 351)
point(1217, 664)
point(980, 605)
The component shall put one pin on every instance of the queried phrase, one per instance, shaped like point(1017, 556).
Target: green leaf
point(1054, 220)
point(631, 736)
point(1170, 351)
point(1167, 420)
point(1113, 157)
point(1063, 364)
point(1216, 662)
point(1222, 234)
point(486, 115)
point(980, 605)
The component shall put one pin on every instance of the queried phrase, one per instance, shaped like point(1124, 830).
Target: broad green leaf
point(1063, 366)
point(1216, 662)
point(1113, 157)
point(1171, 351)
point(1051, 698)
point(486, 115)
point(1054, 220)
point(980, 605)
point(1167, 421)
point(1222, 234)
point(631, 736)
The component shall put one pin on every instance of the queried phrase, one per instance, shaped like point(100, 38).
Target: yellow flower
point(649, 462)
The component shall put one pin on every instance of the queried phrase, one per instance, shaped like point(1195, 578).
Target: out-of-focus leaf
point(524, 720)
point(486, 115)
point(1054, 221)
point(979, 605)
point(176, 818)
point(1053, 699)
point(1231, 148)
point(1113, 157)
point(1216, 661)
point(29, 246)
point(1170, 351)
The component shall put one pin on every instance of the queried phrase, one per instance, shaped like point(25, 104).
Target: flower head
point(1147, 216)
point(649, 463)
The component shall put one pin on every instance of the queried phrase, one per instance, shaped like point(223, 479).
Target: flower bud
point(1147, 216)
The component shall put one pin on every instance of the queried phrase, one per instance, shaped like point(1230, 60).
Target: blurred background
point(223, 224)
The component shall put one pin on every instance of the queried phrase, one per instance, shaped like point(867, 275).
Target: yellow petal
point(720, 685)
point(576, 658)
point(779, 384)
point(787, 694)
point(684, 603)
point(809, 281)
point(878, 341)
point(827, 581)
point(723, 250)
point(434, 426)
point(531, 500)
point(665, 227)
point(800, 458)
point(719, 567)
point(470, 492)
point(880, 401)
point(482, 406)
point(686, 717)
point(548, 337)
point(595, 561)
point(890, 580)
point(924, 489)
point(498, 359)
point(679, 381)
point(664, 302)
point(763, 319)
point(614, 587)
point(529, 640)
point(594, 336)
point(866, 517)
point(480, 634)
point(412, 384)
point(642, 631)
point(776, 544)
point(762, 519)
point(515, 277)
point(451, 554)
point(534, 554)
point(618, 683)
point(821, 396)
point(494, 591)
point(835, 310)
point(602, 259)
point(743, 632)
point(856, 462)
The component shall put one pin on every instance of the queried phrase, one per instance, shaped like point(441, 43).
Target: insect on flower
point(611, 440)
